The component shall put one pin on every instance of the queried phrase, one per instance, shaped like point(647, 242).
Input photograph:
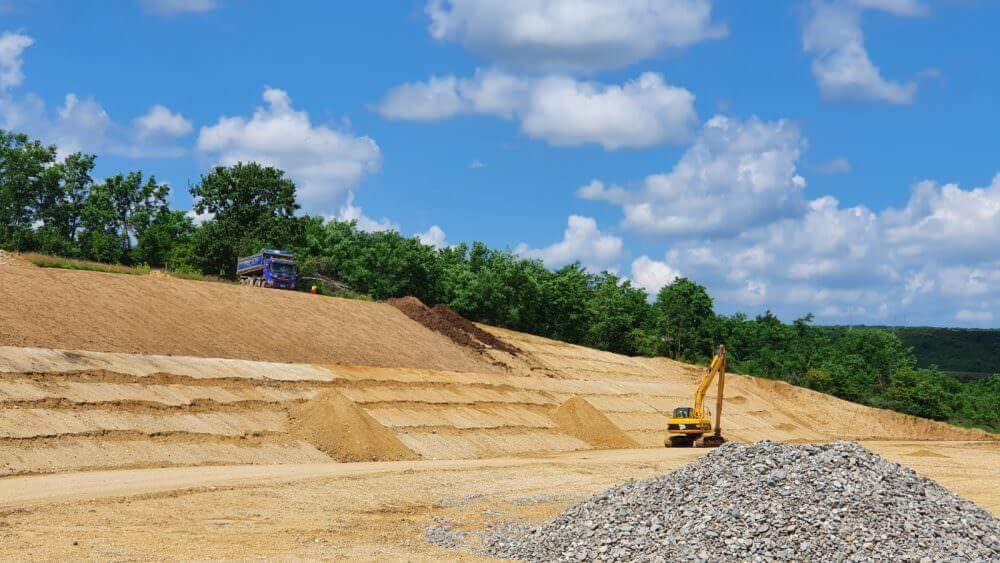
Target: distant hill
point(965, 353)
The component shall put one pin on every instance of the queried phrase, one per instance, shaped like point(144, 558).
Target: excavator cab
point(688, 425)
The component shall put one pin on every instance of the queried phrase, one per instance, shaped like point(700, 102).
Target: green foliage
point(252, 207)
point(684, 307)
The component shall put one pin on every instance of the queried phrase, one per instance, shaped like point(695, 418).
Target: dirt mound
point(80, 310)
point(449, 315)
point(580, 419)
point(416, 310)
point(336, 426)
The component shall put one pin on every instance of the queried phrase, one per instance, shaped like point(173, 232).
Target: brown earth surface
point(366, 511)
point(54, 308)
point(178, 396)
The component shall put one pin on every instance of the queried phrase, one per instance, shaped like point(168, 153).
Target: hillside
point(78, 391)
point(963, 352)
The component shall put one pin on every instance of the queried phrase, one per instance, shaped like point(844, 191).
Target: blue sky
point(832, 156)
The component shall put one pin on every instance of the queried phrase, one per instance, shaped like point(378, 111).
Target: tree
point(684, 307)
point(117, 212)
point(252, 207)
point(615, 311)
point(26, 173)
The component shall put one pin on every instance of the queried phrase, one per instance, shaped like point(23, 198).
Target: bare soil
point(53, 308)
point(367, 511)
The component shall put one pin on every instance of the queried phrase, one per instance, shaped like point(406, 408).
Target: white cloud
point(737, 175)
point(350, 212)
point(79, 124)
point(324, 163)
point(572, 35)
point(841, 64)
point(947, 222)
point(476, 164)
point(835, 167)
point(582, 242)
point(639, 113)
point(159, 120)
point(921, 262)
point(560, 110)
point(652, 275)
point(12, 46)
point(434, 236)
point(175, 7)
point(974, 317)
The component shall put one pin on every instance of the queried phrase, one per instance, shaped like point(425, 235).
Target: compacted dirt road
point(357, 510)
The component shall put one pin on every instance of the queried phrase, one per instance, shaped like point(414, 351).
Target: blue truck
point(268, 268)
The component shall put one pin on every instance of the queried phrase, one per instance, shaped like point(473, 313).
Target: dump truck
point(268, 268)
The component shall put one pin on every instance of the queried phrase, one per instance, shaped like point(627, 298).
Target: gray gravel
point(765, 501)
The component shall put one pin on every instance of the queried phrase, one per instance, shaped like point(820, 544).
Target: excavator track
point(680, 441)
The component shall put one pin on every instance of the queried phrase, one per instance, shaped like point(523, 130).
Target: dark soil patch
point(468, 326)
point(416, 310)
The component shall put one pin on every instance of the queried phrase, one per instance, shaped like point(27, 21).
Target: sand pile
point(580, 419)
point(336, 426)
point(767, 501)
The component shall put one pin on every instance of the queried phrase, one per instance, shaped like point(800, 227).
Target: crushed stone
point(761, 502)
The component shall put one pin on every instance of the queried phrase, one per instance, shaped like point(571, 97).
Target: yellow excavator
point(689, 424)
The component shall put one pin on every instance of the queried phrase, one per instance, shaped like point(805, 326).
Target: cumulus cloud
point(12, 46)
point(159, 120)
point(350, 212)
point(734, 215)
point(582, 242)
point(572, 35)
point(737, 175)
point(175, 7)
point(560, 110)
point(326, 164)
point(652, 275)
point(925, 260)
point(433, 236)
point(841, 64)
point(79, 124)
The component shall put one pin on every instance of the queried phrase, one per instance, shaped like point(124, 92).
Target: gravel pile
point(764, 501)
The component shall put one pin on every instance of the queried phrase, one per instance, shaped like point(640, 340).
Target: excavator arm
point(718, 364)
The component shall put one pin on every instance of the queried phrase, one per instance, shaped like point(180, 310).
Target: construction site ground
point(357, 510)
point(153, 417)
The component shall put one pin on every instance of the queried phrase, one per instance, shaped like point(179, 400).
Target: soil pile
point(456, 320)
point(336, 426)
point(416, 310)
point(767, 501)
point(580, 419)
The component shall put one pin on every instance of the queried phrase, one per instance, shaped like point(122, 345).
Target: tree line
point(56, 207)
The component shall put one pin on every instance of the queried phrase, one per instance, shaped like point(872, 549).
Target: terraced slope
point(72, 410)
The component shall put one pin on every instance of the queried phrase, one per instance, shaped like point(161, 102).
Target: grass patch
point(197, 276)
point(43, 261)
